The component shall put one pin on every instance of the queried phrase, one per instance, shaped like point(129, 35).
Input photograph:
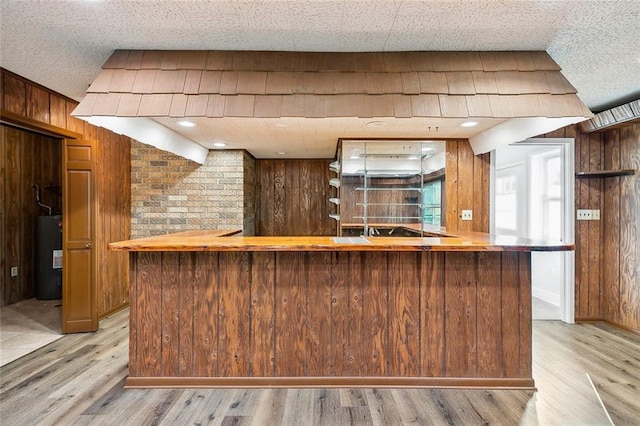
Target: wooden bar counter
point(225, 311)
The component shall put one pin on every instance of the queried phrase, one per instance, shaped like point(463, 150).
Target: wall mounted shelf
point(605, 173)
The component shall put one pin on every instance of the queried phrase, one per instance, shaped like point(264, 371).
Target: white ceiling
point(63, 44)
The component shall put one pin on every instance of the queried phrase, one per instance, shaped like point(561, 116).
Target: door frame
point(567, 146)
point(63, 135)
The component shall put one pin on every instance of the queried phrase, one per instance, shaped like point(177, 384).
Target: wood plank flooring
point(79, 380)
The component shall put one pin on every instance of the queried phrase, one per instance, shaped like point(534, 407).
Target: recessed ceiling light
point(469, 124)
point(219, 144)
point(186, 123)
point(282, 125)
point(281, 153)
point(355, 157)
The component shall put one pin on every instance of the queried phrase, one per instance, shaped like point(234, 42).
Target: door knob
point(88, 245)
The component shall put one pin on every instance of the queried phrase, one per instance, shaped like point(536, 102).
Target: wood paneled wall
point(292, 197)
point(454, 318)
point(26, 158)
point(30, 100)
point(466, 187)
point(607, 251)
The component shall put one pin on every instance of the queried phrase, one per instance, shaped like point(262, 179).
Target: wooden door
point(79, 292)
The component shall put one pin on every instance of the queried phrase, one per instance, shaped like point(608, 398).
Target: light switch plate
point(467, 214)
point(595, 214)
point(14, 271)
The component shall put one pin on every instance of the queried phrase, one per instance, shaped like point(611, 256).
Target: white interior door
point(532, 197)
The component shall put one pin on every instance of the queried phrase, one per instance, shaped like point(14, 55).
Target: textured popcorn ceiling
point(63, 44)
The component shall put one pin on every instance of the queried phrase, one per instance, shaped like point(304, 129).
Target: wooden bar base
point(341, 318)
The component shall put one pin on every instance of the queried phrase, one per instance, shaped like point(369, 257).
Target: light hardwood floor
point(79, 380)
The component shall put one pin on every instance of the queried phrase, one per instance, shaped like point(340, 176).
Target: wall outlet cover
point(467, 214)
point(583, 214)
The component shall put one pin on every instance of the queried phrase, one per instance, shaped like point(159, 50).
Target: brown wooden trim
point(610, 323)
point(329, 382)
point(112, 311)
point(22, 122)
point(38, 85)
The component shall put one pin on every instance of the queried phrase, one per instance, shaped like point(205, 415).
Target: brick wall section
point(173, 194)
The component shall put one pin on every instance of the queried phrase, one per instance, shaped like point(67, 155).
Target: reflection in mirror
point(391, 187)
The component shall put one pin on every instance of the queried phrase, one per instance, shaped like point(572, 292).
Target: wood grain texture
point(293, 198)
point(319, 318)
point(607, 253)
point(26, 158)
point(49, 112)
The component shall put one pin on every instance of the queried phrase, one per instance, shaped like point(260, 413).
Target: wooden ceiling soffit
point(313, 84)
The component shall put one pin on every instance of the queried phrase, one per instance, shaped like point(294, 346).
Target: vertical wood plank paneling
point(318, 318)
point(205, 313)
point(481, 165)
point(293, 219)
point(524, 311)
point(38, 104)
point(490, 351)
point(14, 96)
point(304, 198)
point(611, 230)
point(356, 352)
point(582, 232)
point(12, 246)
point(149, 342)
point(432, 311)
point(29, 100)
point(262, 332)
point(451, 186)
point(291, 339)
point(3, 266)
point(460, 319)
point(186, 280)
point(404, 314)
point(630, 229)
point(595, 227)
point(466, 183)
point(340, 344)
point(58, 111)
point(279, 218)
point(375, 296)
point(293, 198)
point(170, 311)
point(27, 158)
point(362, 314)
point(510, 309)
point(233, 317)
point(134, 323)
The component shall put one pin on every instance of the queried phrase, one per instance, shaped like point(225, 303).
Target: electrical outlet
point(14, 271)
point(467, 214)
point(584, 214)
point(595, 214)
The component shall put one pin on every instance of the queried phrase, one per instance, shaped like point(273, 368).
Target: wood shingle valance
point(155, 83)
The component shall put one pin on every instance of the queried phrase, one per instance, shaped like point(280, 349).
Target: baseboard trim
point(610, 323)
point(331, 382)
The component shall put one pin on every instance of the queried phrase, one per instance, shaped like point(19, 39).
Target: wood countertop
point(223, 241)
